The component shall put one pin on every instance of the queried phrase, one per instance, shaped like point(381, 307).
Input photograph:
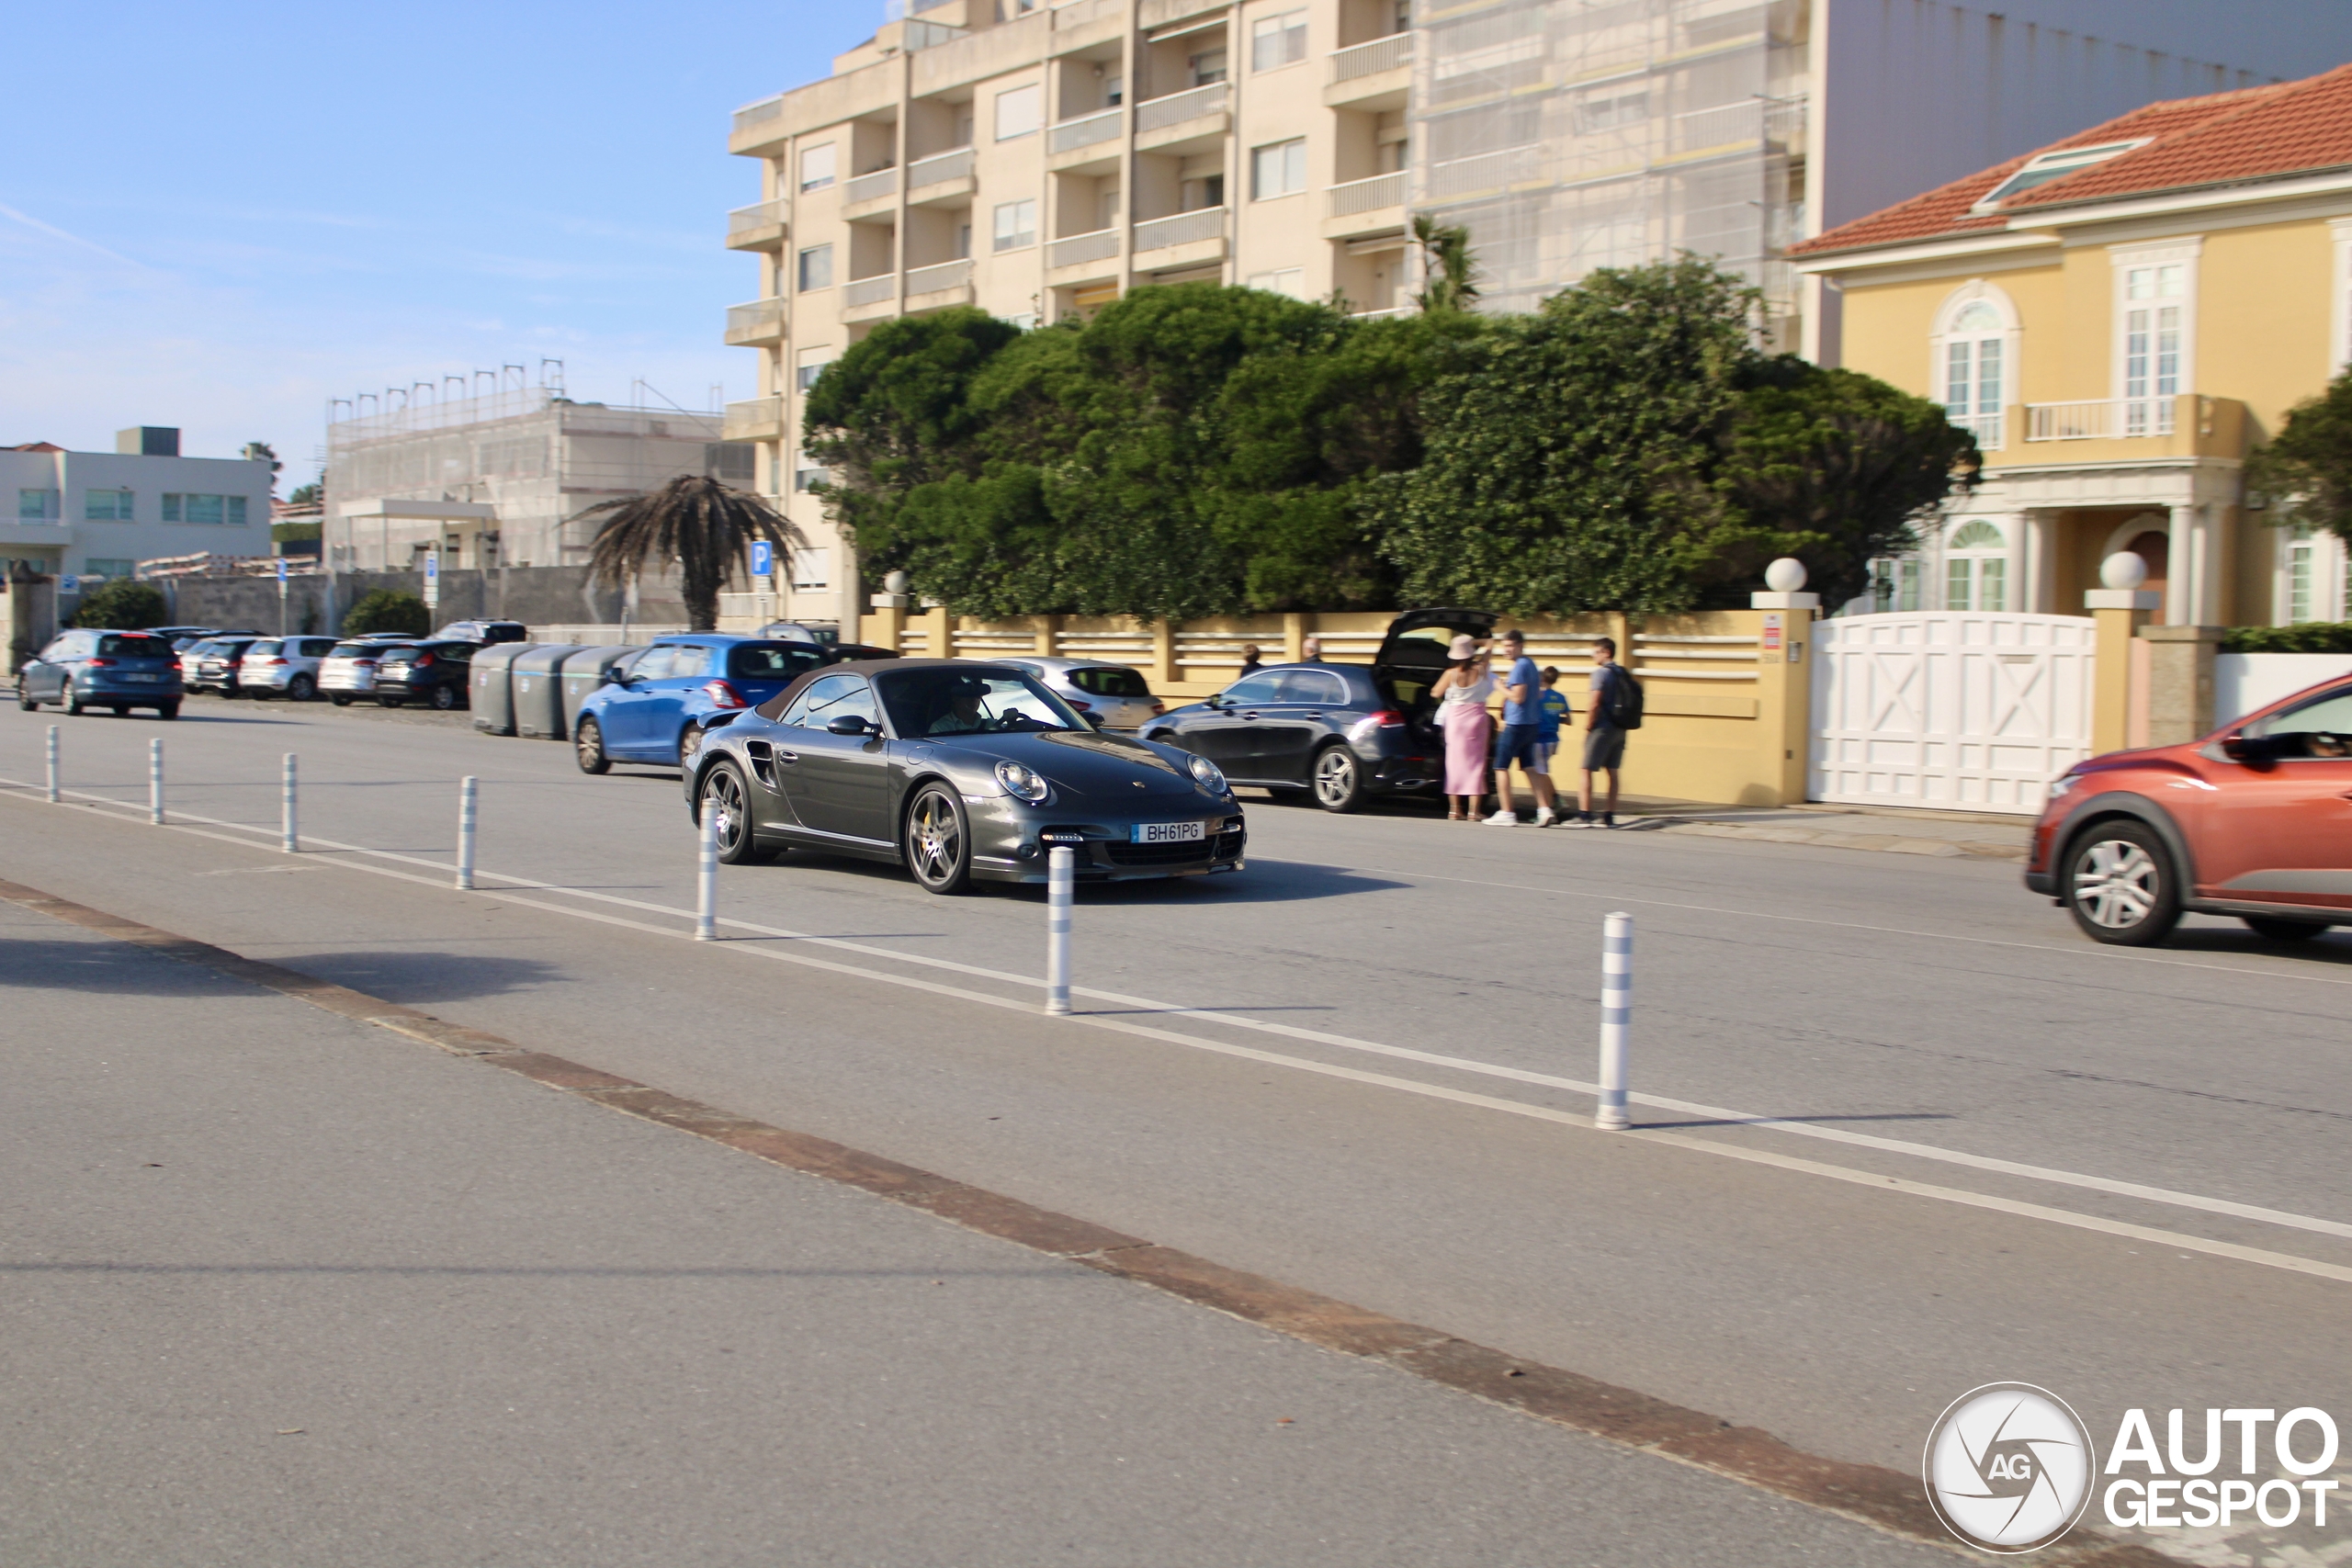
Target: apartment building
point(2120, 317)
point(98, 514)
point(1038, 160)
point(496, 478)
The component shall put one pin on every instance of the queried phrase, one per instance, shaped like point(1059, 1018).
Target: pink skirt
point(1469, 738)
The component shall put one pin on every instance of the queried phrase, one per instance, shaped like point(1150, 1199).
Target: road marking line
point(1433, 1091)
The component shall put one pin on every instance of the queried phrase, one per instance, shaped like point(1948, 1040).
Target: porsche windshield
point(946, 701)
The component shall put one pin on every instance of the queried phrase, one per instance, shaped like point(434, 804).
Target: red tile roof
point(35, 447)
point(2255, 133)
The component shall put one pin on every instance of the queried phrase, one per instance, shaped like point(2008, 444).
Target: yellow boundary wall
point(1726, 691)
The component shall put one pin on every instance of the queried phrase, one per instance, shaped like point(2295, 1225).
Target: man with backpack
point(1616, 708)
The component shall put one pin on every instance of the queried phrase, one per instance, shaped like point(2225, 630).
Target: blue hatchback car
point(655, 706)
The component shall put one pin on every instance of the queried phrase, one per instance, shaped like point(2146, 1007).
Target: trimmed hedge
point(2311, 637)
point(123, 604)
point(386, 611)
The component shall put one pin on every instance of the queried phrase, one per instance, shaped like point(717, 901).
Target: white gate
point(1950, 709)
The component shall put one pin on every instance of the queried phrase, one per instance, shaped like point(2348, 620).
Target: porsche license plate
point(1170, 833)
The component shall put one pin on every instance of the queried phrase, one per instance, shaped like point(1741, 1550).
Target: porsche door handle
point(786, 758)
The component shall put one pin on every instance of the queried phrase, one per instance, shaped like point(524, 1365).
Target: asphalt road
point(2114, 1174)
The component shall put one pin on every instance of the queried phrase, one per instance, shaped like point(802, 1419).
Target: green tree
point(312, 494)
point(1569, 456)
point(2306, 470)
point(388, 610)
point(124, 604)
point(701, 526)
point(1829, 466)
point(1449, 272)
point(261, 452)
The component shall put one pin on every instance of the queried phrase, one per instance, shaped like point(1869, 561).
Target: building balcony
point(1188, 239)
point(941, 181)
point(871, 196)
point(1083, 258)
point(868, 299)
point(759, 130)
point(759, 226)
point(2102, 431)
point(1184, 123)
point(1376, 206)
point(754, 419)
point(760, 322)
point(937, 287)
point(1370, 76)
point(1083, 143)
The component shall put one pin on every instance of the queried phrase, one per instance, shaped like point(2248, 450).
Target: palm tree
point(1448, 271)
point(698, 523)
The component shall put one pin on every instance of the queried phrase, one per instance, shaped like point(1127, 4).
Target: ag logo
point(2008, 1466)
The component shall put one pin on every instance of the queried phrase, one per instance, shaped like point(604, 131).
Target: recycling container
point(494, 686)
point(584, 670)
point(538, 691)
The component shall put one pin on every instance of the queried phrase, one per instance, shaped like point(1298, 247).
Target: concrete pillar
point(1048, 629)
point(938, 633)
point(1784, 658)
point(2120, 614)
point(1163, 655)
point(2194, 569)
point(1295, 629)
point(2180, 681)
point(2037, 558)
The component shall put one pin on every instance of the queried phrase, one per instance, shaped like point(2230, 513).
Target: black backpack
point(1621, 703)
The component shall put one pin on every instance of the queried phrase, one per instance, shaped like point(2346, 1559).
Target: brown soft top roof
point(773, 709)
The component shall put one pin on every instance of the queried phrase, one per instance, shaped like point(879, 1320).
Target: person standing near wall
point(1520, 739)
point(1461, 692)
point(1614, 697)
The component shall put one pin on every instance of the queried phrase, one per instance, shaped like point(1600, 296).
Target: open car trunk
point(1412, 656)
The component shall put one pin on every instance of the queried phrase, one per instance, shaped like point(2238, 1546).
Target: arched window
point(1975, 370)
point(1976, 569)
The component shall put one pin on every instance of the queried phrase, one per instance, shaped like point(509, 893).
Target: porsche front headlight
point(1022, 784)
point(1208, 775)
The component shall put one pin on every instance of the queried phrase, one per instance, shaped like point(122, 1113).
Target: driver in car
point(962, 715)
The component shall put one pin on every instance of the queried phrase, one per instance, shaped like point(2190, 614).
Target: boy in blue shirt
point(1552, 711)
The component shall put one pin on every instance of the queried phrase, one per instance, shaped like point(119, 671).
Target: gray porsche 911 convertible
point(959, 771)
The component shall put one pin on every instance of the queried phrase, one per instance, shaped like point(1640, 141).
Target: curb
point(1891, 843)
point(1885, 1499)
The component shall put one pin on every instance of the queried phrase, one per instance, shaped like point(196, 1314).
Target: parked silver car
point(1115, 696)
point(283, 667)
point(348, 671)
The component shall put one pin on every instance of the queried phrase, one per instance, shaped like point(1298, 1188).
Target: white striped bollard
point(707, 876)
point(466, 833)
point(289, 838)
point(1616, 1020)
point(1061, 877)
point(155, 781)
point(55, 793)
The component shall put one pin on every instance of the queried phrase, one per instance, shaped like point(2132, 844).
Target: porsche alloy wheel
point(2119, 886)
point(938, 847)
point(723, 796)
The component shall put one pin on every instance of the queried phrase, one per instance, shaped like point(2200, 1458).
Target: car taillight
point(1081, 707)
point(1159, 706)
point(271, 663)
point(1387, 719)
point(101, 664)
point(723, 695)
point(420, 661)
point(176, 665)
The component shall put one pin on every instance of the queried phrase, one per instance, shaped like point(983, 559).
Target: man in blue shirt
point(1521, 739)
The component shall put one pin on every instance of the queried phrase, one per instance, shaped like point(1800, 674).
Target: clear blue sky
point(218, 216)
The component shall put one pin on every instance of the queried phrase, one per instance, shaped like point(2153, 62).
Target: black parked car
point(211, 665)
point(435, 673)
point(1345, 731)
point(483, 633)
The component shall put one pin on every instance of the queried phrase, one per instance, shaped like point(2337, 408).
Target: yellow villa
point(2118, 317)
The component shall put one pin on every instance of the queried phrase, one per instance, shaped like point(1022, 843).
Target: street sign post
point(433, 580)
point(763, 577)
point(281, 596)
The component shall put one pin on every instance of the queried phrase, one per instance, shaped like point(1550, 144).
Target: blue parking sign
point(763, 559)
point(281, 569)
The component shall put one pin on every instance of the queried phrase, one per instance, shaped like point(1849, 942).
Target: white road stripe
point(1435, 1091)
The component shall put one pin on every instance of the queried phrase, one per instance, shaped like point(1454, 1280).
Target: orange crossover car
point(2254, 820)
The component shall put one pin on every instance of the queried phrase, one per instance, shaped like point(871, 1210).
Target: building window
point(105, 506)
point(1290, 280)
point(2303, 577)
point(2155, 307)
point(810, 568)
point(1206, 68)
point(1278, 170)
point(1016, 225)
point(816, 268)
point(806, 474)
point(1277, 42)
point(1610, 111)
point(1975, 371)
point(108, 566)
point(1019, 112)
point(208, 509)
point(817, 167)
point(1193, 195)
point(37, 506)
point(811, 365)
point(1976, 569)
point(1026, 320)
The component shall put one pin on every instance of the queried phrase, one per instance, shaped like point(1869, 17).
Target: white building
point(1037, 159)
point(499, 477)
point(98, 514)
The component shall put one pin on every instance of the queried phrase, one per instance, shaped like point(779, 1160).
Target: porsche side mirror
point(847, 724)
point(2234, 748)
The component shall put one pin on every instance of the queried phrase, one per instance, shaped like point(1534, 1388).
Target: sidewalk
point(286, 1288)
point(1946, 833)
